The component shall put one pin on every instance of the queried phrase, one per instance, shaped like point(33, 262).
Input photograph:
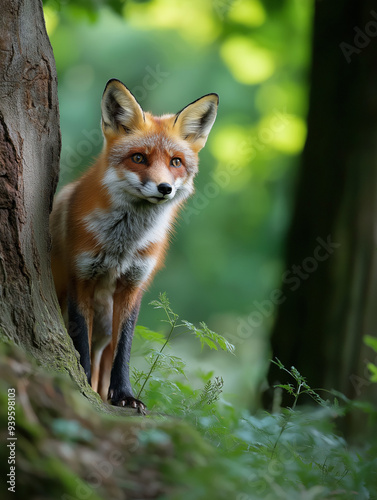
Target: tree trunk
point(30, 148)
point(29, 162)
point(29, 166)
point(331, 294)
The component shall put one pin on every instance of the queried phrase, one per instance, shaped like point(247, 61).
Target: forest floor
point(65, 449)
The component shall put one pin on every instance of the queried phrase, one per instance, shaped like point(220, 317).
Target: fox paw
point(126, 401)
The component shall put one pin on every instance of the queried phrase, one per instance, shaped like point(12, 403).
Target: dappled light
point(284, 132)
point(193, 20)
point(248, 62)
point(200, 257)
point(250, 13)
point(170, 53)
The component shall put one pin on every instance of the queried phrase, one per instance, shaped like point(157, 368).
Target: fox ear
point(195, 120)
point(119, 108)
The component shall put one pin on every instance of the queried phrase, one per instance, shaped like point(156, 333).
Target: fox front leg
point(79, 333)
point(79, 329)
point(126, 311)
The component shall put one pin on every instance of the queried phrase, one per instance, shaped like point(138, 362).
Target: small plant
point(295, 454)
point(301, 388)
point(163, 364)
point(210, 393)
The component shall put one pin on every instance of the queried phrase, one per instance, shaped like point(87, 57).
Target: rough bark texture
point(29, 159)
point(29, 165)
point(320, 325)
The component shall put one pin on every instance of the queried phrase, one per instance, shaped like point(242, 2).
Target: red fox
point(110, 229)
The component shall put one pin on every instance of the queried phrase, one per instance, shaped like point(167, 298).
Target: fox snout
point(158, 192)
point(155, 191)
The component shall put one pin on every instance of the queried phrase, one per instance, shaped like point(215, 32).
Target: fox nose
point(164, 188)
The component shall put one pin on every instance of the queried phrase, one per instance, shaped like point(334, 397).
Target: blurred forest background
point(276, 251)
point(227, 255)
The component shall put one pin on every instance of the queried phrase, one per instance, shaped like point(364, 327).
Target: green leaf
point(373, 370)
point(287, 387)
point(208, 337)
point(146, 334)
point(210, 343)
point(278, 363)
point(189, 325)
point(370, 342)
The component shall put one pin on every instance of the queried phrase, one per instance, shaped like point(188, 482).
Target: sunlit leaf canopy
point(227, 254)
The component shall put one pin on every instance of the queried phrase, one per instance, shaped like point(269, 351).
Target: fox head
point(151, 158)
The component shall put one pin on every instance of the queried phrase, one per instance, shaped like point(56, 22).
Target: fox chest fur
point(122, 242)
point(126, 243)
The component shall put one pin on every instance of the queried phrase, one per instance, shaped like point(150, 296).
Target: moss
point(67, 447)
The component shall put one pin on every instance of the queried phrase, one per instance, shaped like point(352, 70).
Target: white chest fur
point(120, 235)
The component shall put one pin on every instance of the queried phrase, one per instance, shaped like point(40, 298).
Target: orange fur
point(110, 228)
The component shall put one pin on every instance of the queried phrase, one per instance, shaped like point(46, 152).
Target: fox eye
point(138, 158)
point(176, 162)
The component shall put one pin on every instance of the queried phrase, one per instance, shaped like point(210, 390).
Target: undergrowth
point(296, 453)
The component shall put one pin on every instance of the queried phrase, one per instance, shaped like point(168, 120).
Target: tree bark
point(29, 159)
point(29, 167)
point(321, 323)
point(29, 162)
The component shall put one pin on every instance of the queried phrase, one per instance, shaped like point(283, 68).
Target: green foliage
point(89, 9)
point(162, 364)
point(211, 392)
point(302, 386)
point(293, 454)
point(371, 342)
point(194, 445)
point(208, 337)
point(372, 367)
